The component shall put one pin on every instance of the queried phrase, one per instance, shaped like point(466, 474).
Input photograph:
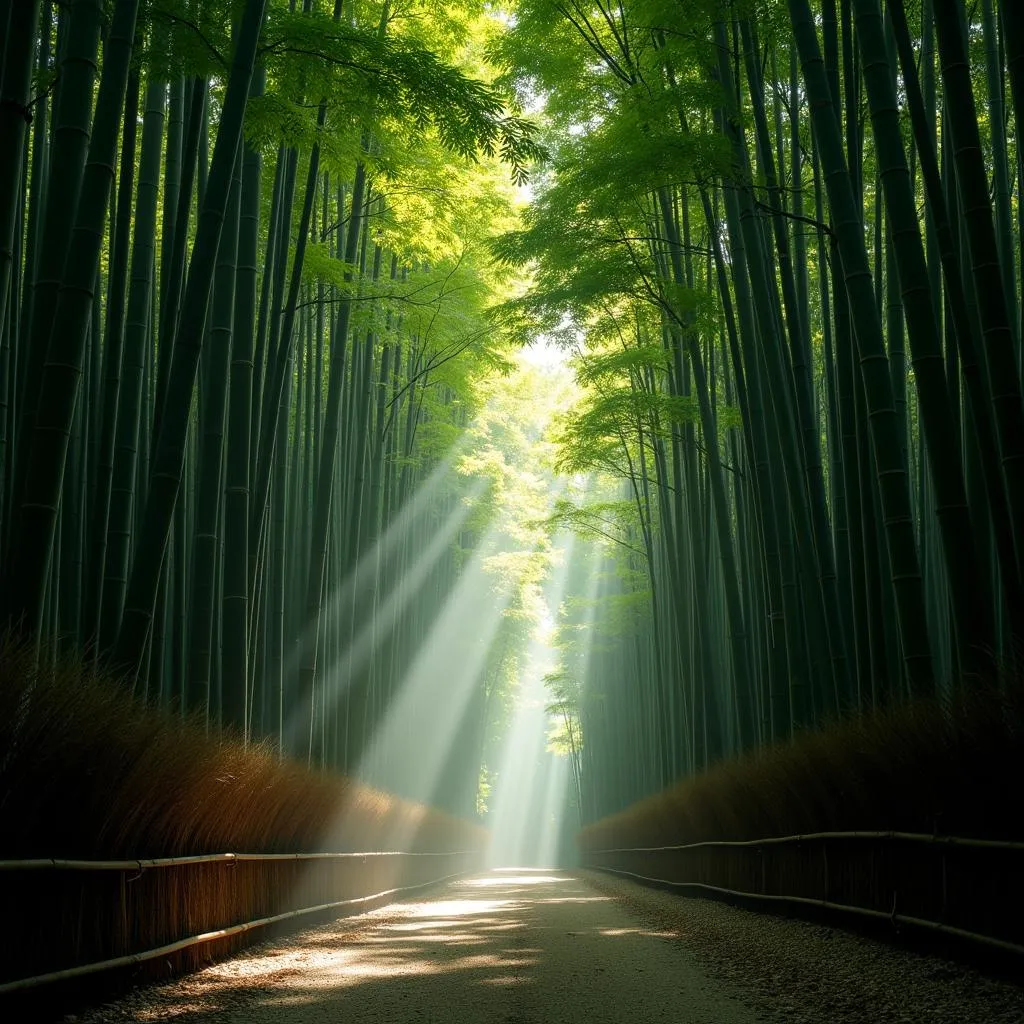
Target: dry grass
point(84, 772)
point(952, 768)
point(87, 773)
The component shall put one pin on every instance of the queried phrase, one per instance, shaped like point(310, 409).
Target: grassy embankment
point(86, 773)
point(941, 767)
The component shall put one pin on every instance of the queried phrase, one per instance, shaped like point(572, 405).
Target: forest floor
point(522, 946)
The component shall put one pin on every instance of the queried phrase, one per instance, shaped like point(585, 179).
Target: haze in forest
point(510, 412)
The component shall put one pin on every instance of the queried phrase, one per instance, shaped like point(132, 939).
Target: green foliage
point(594, 521)
point(396, 78)
point(564, 735)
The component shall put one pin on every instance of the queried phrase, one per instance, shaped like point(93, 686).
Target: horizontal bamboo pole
point(194, 940)
point(844, 908)
point(914, 837)
point(44, 863)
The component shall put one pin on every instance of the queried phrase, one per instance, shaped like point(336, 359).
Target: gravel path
point(527, 946)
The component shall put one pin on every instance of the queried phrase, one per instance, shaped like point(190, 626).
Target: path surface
point(525, 946)
point(509, 946)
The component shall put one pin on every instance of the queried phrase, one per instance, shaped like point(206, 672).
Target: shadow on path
point(512, 946)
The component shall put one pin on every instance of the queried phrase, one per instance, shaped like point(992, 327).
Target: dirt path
point(537, 947)
point(511, 947)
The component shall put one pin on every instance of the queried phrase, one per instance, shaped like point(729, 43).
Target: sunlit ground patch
point(502, 879)
point(616, 932)
point(577, 899)
point(455, 908)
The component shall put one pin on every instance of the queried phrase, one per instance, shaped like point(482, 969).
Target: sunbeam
point(377, 629)
point(342, 601)
point(525, 812)
point(426, 718)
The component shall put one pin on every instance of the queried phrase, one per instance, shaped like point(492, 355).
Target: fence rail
point(81, 970)
point(82, 917)
point(44, 863)
point(844, 908)
point(915, 837)
point(962, 888)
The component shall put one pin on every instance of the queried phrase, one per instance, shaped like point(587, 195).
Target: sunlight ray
point(517, 820)
point(377, 629)
point(409, 747)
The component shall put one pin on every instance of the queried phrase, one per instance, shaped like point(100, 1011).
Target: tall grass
point(935, 767)
point(949, 767)
point(86, 772)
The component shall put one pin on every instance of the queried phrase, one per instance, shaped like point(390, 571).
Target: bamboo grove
point(243, 313)
point(262, 273)
point(782, 243)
